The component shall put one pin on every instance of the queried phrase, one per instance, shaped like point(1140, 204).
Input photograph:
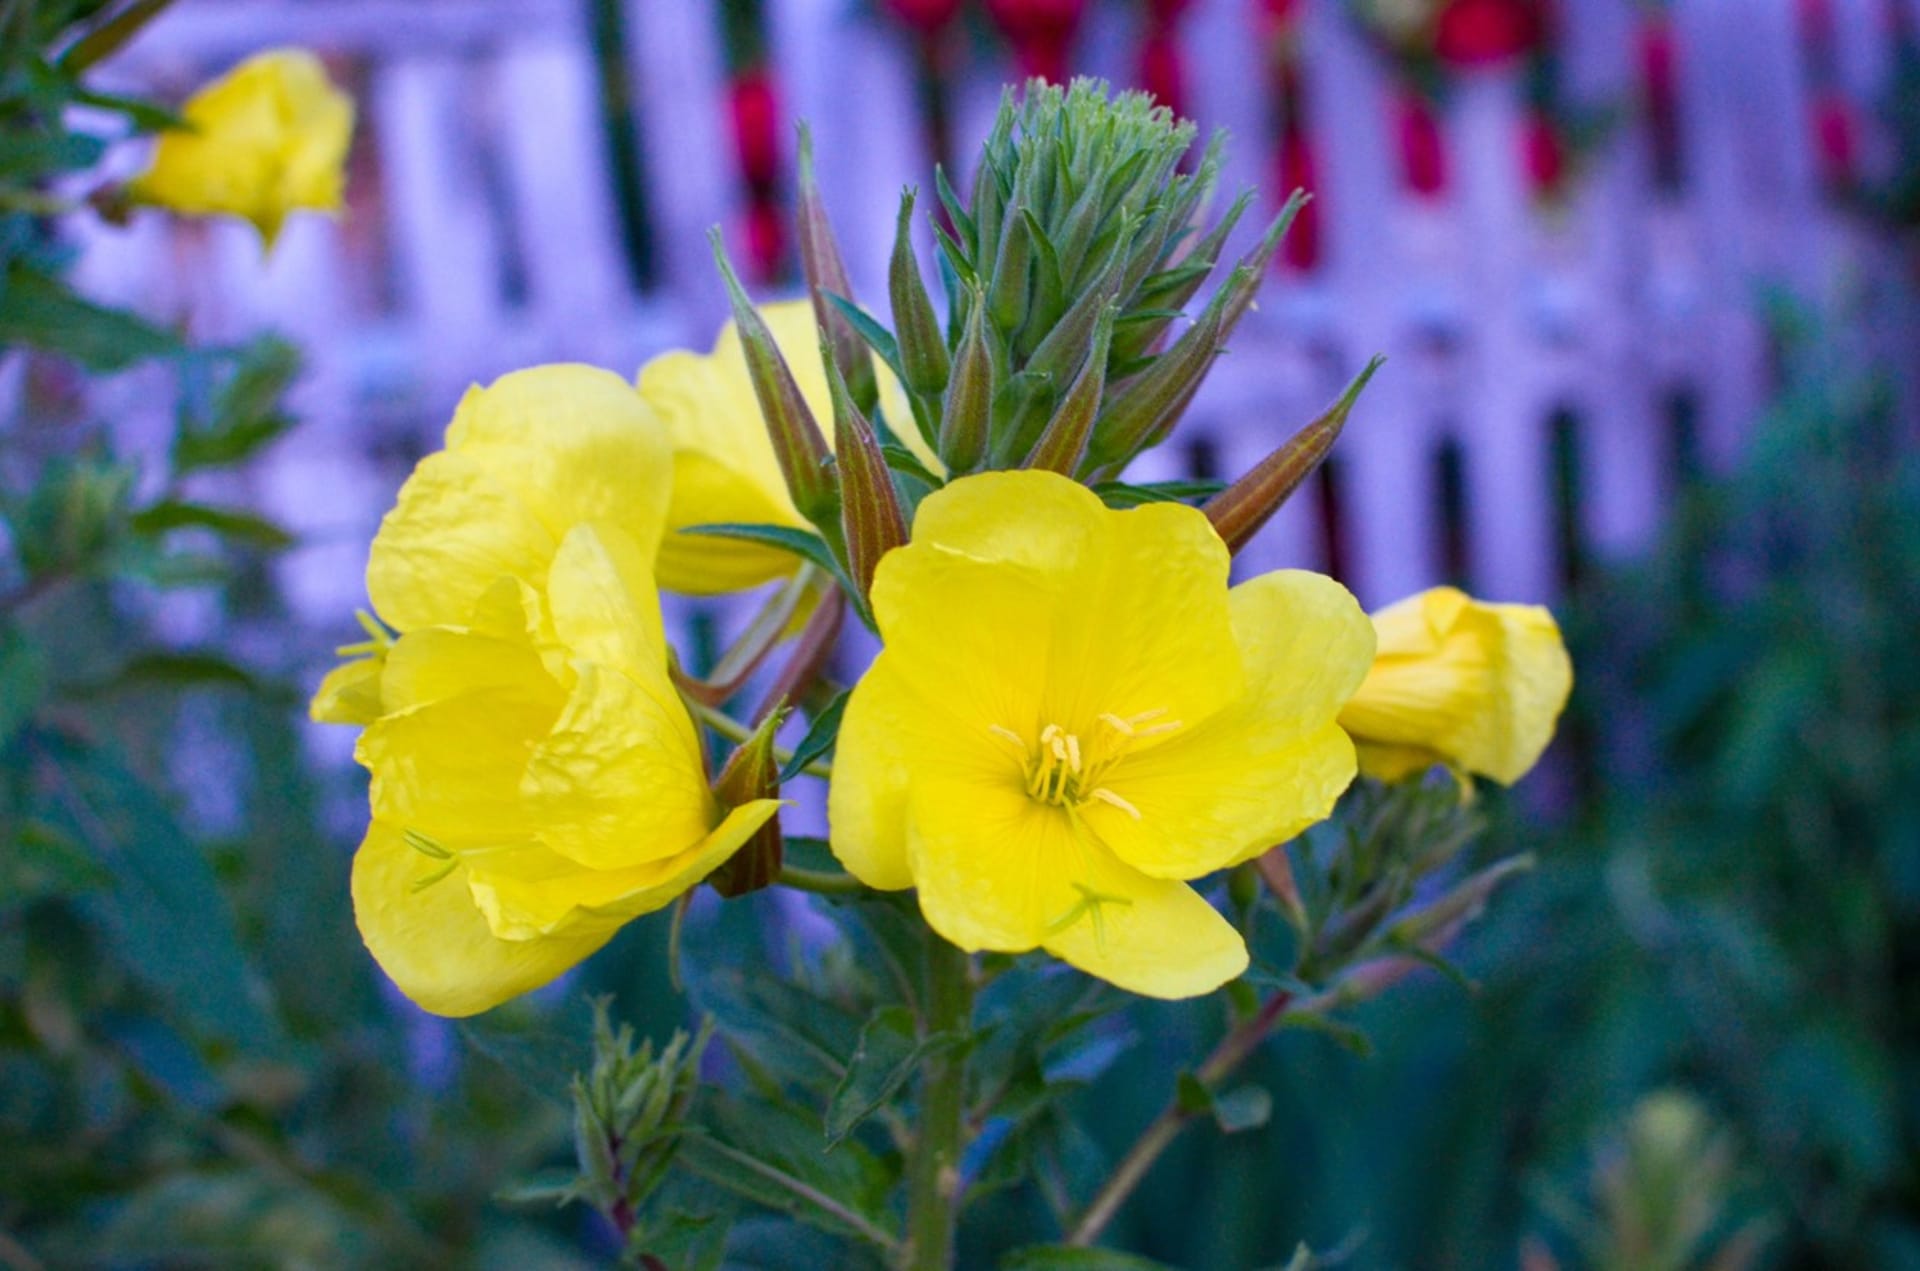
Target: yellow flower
point(536, 783)
point(1073, 713)
point(267, 138)
point(526, 459)
point(724, 468)
point(1477, 687)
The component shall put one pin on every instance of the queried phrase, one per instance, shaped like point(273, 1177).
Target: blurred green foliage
point(1730, 905)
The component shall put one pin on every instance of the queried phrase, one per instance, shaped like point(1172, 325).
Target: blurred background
point(1645, 273)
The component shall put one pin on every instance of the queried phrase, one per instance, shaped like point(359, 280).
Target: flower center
point(1065, 771)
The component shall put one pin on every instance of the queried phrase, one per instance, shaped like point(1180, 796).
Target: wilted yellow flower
point(1073, 713)
point(724, 468)
point(537, 782)
point(267, 138)
point(526, 459)
point(1477, 687)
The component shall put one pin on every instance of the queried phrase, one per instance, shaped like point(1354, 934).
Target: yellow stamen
point(1113, 800)
point(1063, 769)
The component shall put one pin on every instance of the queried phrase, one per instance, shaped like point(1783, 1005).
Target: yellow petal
point(452, 769)
point(708, 492)
point(619, 778)
point(888, 733)
point(1260, 772)
point(268, 138)
point(1481, 686)
point(435, 944)
point(604, 607)
point(437, 663)
point(1150, 936)
point(724, 465)
point(528, 458)
point(1140, 621)
point(576, 443)
point(350, 693)
point(534, 892)
point(453, 533)
point(997, 871)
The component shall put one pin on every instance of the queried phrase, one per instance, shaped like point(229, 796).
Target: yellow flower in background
point(724, 468)
point(262, 141)
point(527, 459)
point(1477, 687)
point(1073, 713)
point(536, 782)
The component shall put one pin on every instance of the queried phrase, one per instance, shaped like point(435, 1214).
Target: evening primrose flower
point(267, 138)
point(526, 459)
point(537, 782)
point(1073, 714)
point(1477, 687)
point(724, 469)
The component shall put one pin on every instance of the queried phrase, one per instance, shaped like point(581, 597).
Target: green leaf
point(1075, 1258)
point(173, 926)
point(541, 1050)
point(25, 159)
point(1353, 1040)
point(887, 1056)
point(821, 734)
point(1191, 1095)
point(246, 527)
point(878, 338)
point(173, 670)
point(770, 1154)
point(42, 312)
point(23, 681)
point(1243, 1108)
point(802, 543)
point(45, 862)
point(1118, 494)
point(905, 462)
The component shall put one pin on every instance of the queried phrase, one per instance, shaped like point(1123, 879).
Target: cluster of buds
point(629, 1114)
point(1064, 273)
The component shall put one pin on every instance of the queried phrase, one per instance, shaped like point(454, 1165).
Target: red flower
point(1161, 73)
point(1298, 171)
point(756, 127)
point(766, 230)
point(1474, 32)
point(1041, 32)
point(1423, 156)
point(925, 16)
point(1836, 138)
point(1546, 153)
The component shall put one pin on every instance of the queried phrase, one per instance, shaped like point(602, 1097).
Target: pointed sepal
point(968, 416)
point(871, 518)
point(826, 274)
point(798, 444)
point(1064, 443)
point(1239, 511)
point(752, 772)
point(924, 363)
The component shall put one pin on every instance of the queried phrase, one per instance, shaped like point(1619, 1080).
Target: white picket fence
point(496, 245)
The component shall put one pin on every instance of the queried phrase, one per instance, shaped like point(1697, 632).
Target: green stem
point(735, 731)
point(820, 881)
point(933, 1196)
point(1165, 1128)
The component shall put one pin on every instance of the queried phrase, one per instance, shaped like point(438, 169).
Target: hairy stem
point(1160, 1133)
point(933, 1197)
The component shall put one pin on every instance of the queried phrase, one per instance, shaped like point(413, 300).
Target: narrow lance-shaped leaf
point(968, 415)
point(1239, 511)
point(1147, 409)
point(1064, 443)
point(797, 443)
point(870, 514)
point(827, 276)
point(1245, 281)
point(923, 346)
